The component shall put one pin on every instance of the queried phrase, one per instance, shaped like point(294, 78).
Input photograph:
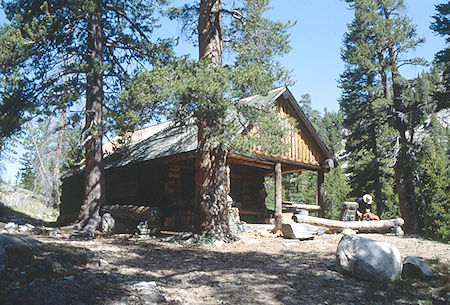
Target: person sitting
point(364, 208)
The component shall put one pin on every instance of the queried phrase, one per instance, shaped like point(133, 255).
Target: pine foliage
point(197, 92)
point(433, 175)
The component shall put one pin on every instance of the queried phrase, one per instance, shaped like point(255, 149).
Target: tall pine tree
point(76, 48)
point(363, 105)
point(441, 26)
point(208, 94)
point(379, 38)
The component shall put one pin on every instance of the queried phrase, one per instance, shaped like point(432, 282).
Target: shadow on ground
point(249, 277)
point(40, 273)
point(197, 274)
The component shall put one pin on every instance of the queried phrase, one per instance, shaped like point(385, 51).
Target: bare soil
point(258, 269)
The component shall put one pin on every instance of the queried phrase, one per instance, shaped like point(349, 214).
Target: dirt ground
point(258, 269)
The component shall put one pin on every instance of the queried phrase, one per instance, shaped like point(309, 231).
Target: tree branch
point(235, 14)
point(123, 47)
point(133, 24)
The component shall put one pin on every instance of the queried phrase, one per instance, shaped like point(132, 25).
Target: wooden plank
point(250, 212)
point(305, 148)
point(308, 207)
point(173, 175)
point(177, 158)
point(287, 162)
point(249, 161)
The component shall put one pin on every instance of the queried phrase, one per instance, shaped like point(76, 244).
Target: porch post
point(321, 192)
point(197, 187)
point(278, 198)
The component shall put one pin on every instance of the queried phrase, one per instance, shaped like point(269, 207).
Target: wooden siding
point(303, 148)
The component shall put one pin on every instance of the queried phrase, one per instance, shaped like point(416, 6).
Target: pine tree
point(378, 37)
point(363, 105)
point(208, 93)
point(76, 48)
point(441, 26)
point(14, 109)
point(433, 175)
point(337, 187)
point(213, 179)
point(38, 141)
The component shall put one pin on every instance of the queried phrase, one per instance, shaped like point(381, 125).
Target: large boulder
point(17, 247)
point(368, 259)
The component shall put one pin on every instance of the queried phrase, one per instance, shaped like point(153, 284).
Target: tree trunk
point(214, 189)
point(405, 191)
point(56, 168)
point(210, 40)
point(404, 178)
point(212, 179)
point(376, 183)
point(62, 120)
point(94, 184)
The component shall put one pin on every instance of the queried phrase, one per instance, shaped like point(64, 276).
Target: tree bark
point(377, 167)
point(402, 168)
point(94, 184)
point(405, 191)
point(213, 185)
point(404, 179)
point(214, 190)
point(210, 40)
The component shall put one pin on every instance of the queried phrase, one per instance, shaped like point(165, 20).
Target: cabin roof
point(168, 139)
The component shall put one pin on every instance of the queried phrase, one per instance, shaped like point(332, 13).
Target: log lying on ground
point(373, 225)
point(134, 212)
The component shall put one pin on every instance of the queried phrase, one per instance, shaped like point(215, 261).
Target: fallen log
point(373, 225)
point(133, 212)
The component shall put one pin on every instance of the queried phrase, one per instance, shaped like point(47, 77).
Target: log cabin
point(157, 169)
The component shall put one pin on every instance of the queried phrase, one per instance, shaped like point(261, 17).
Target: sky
point(316, 40)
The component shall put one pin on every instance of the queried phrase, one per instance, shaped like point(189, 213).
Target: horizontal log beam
point(244, 160)
point(308, 207)
point(373, 225)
